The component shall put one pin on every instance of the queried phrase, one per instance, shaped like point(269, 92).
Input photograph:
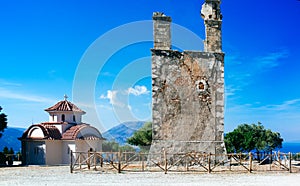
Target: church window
point(74, 118)
point(63, 117)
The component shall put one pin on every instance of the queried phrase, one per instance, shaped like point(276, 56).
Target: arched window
point(63, 118)
point(74, 118)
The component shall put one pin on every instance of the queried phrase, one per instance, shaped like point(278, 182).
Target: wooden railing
point(179, 162)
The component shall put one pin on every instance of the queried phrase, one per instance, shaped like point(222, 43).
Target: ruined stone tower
point(188, 89)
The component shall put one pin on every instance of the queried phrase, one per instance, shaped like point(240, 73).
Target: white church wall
point(67, 147)
point(86, 145)
point(71, 117)
point(53, 118)
point(53, 152)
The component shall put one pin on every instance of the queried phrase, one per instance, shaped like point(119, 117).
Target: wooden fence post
point(143, 164)
point(250, 162)
point(230, 161)
point(88, 160)
point(209, 160)
point(101, 160)
point(79, 160)
point(279, 159)
point(290, 162)
point(186, 163)
point(119, 162)
point(95, 161)
point(166, 161)
point(271, 160)
point(71, 164)
point(240, 156)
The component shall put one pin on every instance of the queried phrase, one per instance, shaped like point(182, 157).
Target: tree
point(142, 137)
point(2, 159)
point(112, 146)
point(246, 138)
point(5, 150)
point(3, 122)
point(8, 154)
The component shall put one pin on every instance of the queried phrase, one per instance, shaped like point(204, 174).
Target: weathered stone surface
point(162, 38)
point(181, 111)
point(188, 94)
point(212, 16)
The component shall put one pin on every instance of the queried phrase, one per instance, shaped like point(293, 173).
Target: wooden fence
point(180, 162)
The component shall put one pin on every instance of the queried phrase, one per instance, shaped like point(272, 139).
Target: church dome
point(64, 105)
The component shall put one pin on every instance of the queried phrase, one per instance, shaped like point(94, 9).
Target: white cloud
point(271, 60)
point(138, 90)
point(288, 106)
point(285, 106)
point(8, 94)
point(230, 90)
point(239, 76)
point(112, 96)
point(7, 83)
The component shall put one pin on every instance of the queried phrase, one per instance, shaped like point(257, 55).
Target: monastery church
point(50, 143)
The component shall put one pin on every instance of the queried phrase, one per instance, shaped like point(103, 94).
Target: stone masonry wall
point(188, 101)
point(188, 89)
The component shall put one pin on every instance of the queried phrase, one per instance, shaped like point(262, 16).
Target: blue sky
point(44, 44)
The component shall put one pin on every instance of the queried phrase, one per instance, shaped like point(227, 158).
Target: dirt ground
point(60, 175)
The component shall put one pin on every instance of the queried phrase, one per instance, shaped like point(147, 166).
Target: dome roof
point(42, 131)
point(64, 105)
point(82, 131)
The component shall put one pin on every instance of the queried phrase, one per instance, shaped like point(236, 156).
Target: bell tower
point(211, 13)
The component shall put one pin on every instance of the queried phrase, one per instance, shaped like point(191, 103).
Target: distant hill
point(10, 138)
point(121, 132)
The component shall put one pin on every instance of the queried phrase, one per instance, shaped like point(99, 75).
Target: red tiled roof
point(71, 133)
point(49, 132)
point(52, 132)
point(64, 106)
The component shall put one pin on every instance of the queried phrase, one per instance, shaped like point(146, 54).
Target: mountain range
point(10, 138)
point(121, 132)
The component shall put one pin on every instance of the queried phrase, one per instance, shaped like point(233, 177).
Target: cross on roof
point(66, 97)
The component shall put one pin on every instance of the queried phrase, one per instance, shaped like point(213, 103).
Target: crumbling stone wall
point(188, 101)
point(187, 93)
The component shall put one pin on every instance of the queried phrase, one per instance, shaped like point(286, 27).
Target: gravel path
point(35, 175)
